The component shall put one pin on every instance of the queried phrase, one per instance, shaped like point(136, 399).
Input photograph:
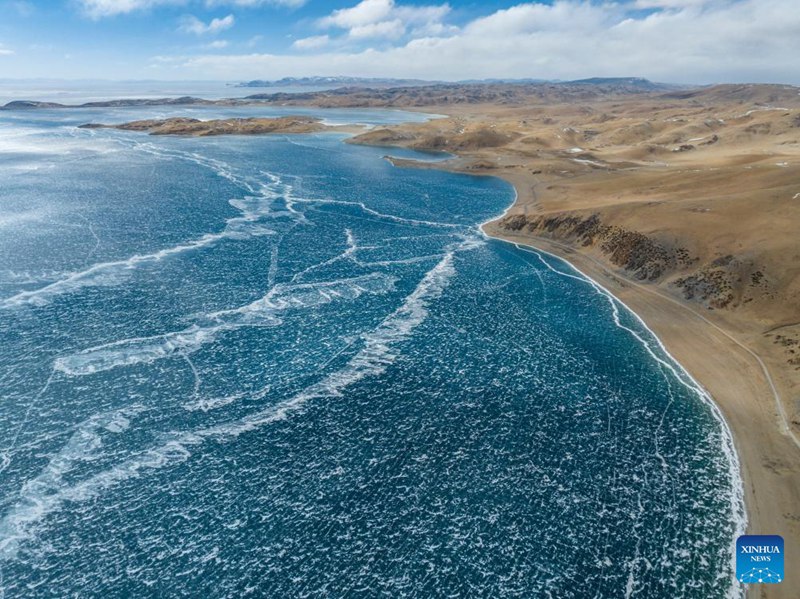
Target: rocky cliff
point(726, 282)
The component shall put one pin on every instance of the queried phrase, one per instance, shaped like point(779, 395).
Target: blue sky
point(692, 41)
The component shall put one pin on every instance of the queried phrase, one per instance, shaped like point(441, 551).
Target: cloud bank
point(680, 41)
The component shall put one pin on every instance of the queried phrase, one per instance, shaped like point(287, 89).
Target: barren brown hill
point(686, 205)
point(198, 128)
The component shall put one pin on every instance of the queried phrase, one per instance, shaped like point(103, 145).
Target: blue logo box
point(759, 559)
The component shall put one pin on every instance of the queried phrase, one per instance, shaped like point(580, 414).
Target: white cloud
point(311, 43)
point(254, 3)
point(731, 40)
point(97, 9)
point(191, 24)
point(383, 29)
point(531, 20)
point(384, 19)
point(5, 51)
point(434, 30)
point(414, 15)
point(363, 13)
point(218, 44)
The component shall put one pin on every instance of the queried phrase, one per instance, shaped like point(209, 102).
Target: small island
point(234, 126)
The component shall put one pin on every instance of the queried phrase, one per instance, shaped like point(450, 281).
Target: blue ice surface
point(280, 366)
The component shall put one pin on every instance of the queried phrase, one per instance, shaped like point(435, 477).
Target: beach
point(718, 357)
point(741, 370)
point(737, 383)
point(734, 376)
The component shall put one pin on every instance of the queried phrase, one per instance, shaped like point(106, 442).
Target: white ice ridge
point(219, 167)
point(48, 492)
point(104, 273)
point(83, 445)
point(263, 312)
point(253, 209)
point(381, 215)
point(348, 254)
point(277, 186)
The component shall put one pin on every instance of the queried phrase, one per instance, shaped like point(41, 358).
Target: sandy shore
point(717, 355)
point(739, 386)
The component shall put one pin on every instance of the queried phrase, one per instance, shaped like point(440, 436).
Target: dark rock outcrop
point(726, 282)
point(645, 258)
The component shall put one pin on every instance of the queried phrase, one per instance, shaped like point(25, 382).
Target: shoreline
point(739, 512)
point(733, 376)
point(727, 374)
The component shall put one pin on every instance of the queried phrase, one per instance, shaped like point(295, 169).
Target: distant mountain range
point(359, 92)
point(382, 82)
point(335, 82)
point(123, 102)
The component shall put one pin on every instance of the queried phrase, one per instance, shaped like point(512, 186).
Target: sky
point(678, 41)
